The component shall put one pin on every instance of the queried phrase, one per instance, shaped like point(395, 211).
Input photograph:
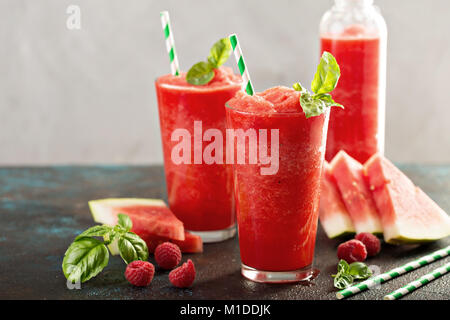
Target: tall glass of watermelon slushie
point(200, 191)
point(277, 211)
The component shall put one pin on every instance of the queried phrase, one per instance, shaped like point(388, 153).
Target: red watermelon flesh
point(408, 215)
point(333, 214)
point(150, 217)
point(348, 174)
point(191, 243)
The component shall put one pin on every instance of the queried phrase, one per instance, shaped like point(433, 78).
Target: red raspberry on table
point(352, 251)
point(371, 242)
point(140, 273)
point(167, 255)
point(183, 277)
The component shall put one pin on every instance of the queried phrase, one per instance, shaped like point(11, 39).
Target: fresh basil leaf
point(342, 281)
point(342, 266)
point(201, 73)
point(298, 87)
point(220, 52)
point(124, 221)
point(312, 107)
point(327, 74)
point(132, 247)
point(326, 97)
point(84, 259)
point(359, 270)
point(95, 231)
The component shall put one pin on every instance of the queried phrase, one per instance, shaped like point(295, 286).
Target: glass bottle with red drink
point(355, 33)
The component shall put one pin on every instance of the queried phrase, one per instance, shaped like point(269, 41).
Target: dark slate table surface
point(43, 209)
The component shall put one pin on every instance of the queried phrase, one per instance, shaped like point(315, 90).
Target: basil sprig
point(325, 81)
point(347, 273)
point(87, 256)
point(203, 72)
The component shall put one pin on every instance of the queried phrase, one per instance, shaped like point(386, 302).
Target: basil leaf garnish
point(203, 72)
point(132, 247)
point(325, 81)
point(84, 259)
point(124, 221)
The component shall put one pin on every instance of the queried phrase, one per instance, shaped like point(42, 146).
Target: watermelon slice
point(348, 174)
point(407, 213)
point(152, 221)
point(191, 243)
point(333, 214)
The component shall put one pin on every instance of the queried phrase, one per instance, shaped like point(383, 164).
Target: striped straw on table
point(418, 283)
point(439, 254)
point(247, 84)
point(170, 43)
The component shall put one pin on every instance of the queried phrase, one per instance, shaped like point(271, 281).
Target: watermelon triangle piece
point(149, 216)
point(152, 221)
point(333, 214)
point(408, 215)
point(348, 174)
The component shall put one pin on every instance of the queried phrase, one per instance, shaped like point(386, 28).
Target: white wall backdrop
point(87, 96)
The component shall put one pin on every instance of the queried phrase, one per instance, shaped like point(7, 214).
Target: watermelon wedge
point(333, 214)
point(348, 174)
point(191, 243)
point(408, 215)
point(152, 221)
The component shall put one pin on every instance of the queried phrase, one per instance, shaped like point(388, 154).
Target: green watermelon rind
point(403, 240)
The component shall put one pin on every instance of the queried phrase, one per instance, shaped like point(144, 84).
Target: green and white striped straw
point(170, 43)
point(247, 84)
point(418, 283)
point(381, 278)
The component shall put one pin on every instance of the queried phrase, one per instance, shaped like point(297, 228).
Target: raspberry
point(183, 277)
point(371, 242)
point(352, 251)
point(167, 255)
point(140, 273)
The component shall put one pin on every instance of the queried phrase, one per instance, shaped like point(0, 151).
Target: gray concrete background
point(87, 96)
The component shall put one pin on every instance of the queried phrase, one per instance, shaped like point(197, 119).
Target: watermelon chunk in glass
point(333, 214)
point(408, 215)
point(152, 221)
point(348, 174)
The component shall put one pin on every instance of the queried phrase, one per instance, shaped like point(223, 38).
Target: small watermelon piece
point(152, 221)
point(150, 217)
point(333, 214)
point(348, 174)
point(408, 215)
point(191, 243)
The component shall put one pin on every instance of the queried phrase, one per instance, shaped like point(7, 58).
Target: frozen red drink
point(277, 211)
point(199, 193)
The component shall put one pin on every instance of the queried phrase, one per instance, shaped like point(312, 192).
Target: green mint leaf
point(95, 231)
point(220, 52)
point(359, 270)
point(84, 259)
point(327, 74)
point(342, 281)
point(124, 221)
point(132, 247)
point(201, 73)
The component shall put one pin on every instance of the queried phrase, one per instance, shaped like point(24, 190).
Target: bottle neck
point(353, 3)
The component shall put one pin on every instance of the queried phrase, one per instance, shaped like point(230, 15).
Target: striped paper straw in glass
point(418, 283)
point(393, 273)
point(247, 84)
point(170, 43)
